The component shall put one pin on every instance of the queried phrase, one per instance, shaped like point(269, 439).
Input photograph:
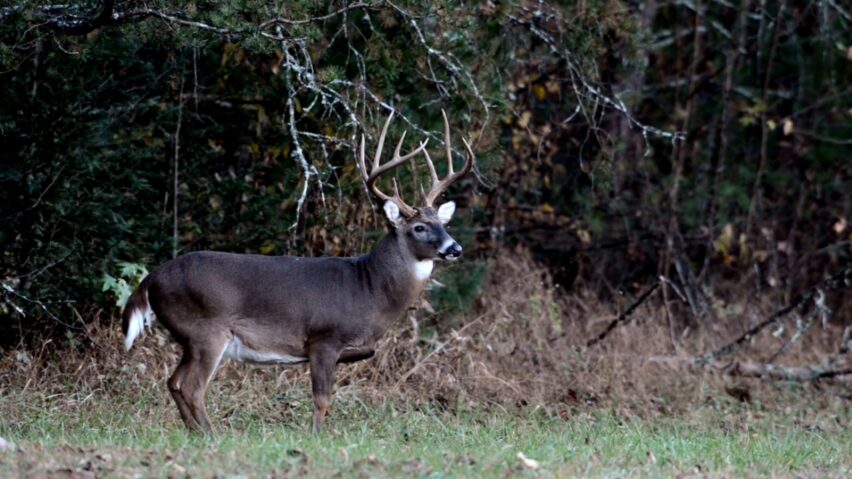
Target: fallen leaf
point(6, 445)
point(524, 121)
point(527, 462)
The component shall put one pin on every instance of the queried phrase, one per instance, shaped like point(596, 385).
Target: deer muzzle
point(450, 251)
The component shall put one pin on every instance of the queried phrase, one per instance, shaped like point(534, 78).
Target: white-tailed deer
point(292, 310)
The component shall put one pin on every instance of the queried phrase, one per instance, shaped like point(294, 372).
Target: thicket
point(701, 145)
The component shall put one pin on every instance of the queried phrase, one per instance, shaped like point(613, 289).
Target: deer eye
point(419, 229)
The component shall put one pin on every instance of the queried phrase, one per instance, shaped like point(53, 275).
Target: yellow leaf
point(539, 91)
point(771, 125)
point(725, 239)
point(267, 248)
point(788, 126)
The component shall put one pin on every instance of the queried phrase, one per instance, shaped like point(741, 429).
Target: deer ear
point(392, 212)
point(445, 212)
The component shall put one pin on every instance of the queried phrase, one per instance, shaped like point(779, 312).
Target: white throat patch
point(422, 269)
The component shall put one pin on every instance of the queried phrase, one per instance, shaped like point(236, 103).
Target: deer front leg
point(323, 360)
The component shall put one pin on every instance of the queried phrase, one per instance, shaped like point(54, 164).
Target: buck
point(292, 310)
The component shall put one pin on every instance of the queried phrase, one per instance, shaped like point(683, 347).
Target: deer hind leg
point(204, 359)
point(323, 361)
point(175, 383)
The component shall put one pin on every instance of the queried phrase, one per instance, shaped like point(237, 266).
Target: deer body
point(278, 305)
point(292, 310)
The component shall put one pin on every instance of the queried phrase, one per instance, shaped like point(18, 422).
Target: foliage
point(619, 140)
point(763, 153)
point(131, 275)
point(458, 287)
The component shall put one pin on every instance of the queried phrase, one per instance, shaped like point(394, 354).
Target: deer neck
point(400, 276)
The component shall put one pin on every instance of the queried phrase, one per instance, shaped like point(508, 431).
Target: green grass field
point(108, 437)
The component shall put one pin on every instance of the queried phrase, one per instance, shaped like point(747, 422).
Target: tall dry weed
point(523, 345)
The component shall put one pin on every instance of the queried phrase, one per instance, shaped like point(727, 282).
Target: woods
point(620, 143)
point(661, 198)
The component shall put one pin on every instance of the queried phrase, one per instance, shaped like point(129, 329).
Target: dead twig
point(623, 317)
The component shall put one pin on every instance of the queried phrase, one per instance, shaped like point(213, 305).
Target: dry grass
point(522, 346)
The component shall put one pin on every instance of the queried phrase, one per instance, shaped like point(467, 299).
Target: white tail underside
point(139, 319)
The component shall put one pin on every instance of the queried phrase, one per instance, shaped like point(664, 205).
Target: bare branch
point(787, 373)
point(623, 317)
point(835, 281)
point(286, 21)
point(585, 90)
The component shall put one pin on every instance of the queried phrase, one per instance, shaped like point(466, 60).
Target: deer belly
point(238, 351)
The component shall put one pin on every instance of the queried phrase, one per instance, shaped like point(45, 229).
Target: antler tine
point(381, 144)
point(361, 162)
point(377, 169)
point(432, 172)
point(447, 143)
point(439, 186)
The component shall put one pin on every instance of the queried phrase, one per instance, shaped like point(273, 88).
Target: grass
point(107, 437)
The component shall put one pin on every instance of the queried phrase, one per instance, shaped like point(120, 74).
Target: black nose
point(454, 251)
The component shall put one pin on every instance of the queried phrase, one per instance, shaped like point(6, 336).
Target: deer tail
point(137, 314)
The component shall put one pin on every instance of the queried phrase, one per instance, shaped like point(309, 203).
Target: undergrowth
point(443, 396)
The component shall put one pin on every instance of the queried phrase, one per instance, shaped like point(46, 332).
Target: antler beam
point(377, 170)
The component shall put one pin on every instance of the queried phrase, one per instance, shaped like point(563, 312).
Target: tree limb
point(623, 317)
point(811, 294)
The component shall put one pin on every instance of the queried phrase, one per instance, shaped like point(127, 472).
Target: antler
point(439, 186)
point(378, 170)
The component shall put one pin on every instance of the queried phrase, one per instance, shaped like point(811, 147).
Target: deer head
point(422, 229)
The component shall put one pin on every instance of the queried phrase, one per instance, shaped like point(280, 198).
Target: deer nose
point(453, 251)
